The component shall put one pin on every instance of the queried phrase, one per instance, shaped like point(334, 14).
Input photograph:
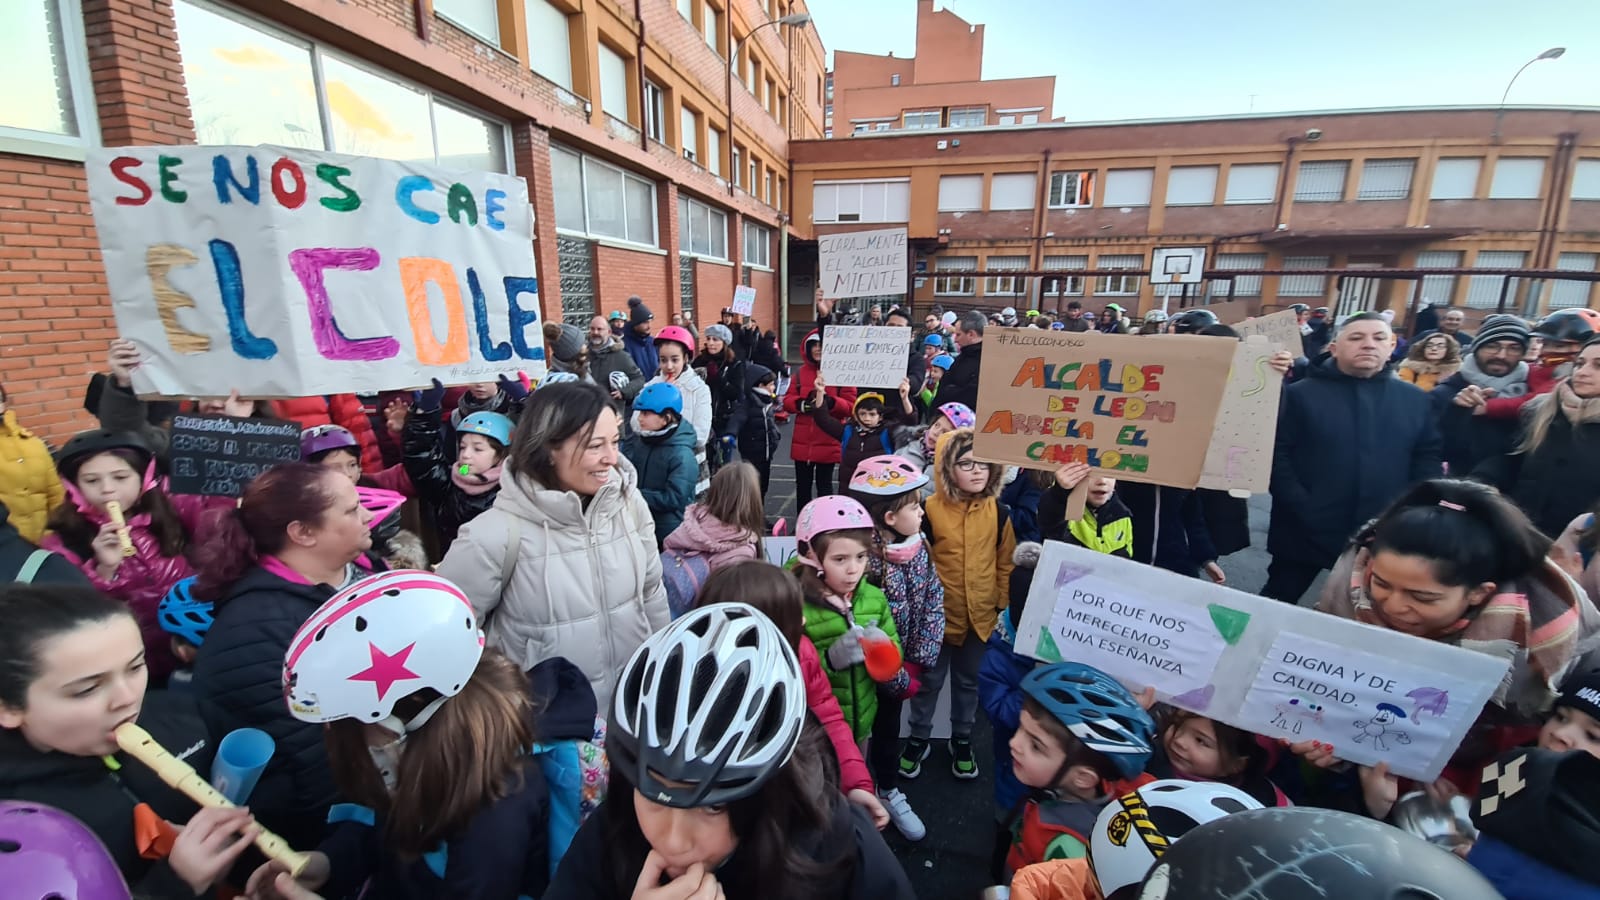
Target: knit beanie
point(720, 332)
point(566, 341)
point(1581, 691)
point(1502, 327)
point(637, 312)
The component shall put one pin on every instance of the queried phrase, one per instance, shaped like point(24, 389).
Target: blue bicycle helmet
point(943, 361)
point(1097, 709)
point(491, 425)
point(933, 340)
point(183, 615)
point(658, 398)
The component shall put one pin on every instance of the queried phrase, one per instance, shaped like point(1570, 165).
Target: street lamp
point(799, 18)
point(1500, 112)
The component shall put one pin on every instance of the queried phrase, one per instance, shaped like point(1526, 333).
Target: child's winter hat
point(1581, 691)
point(868, 401)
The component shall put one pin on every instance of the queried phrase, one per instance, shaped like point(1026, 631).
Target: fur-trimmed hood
point(944, 467)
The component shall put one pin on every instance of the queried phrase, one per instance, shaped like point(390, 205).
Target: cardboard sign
point(1137, 407)
point(780, 550)
point(1281, 328)
point(744, 300)
point(284, 272)
point(870, 356)
point(1239, 457)
point(863, 263)
point(218, 455)
point(1275, 669)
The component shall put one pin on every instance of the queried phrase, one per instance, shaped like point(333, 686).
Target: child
point(1195, 748)
point(937, 366)
point(1574, 722)
point(843, 611)
point(869, 431)
point(460, 486)
point(1079, 730)
point(1536, 828)
point(733, 801)
point(972, 551)
point(674, 348)
point(726, 526)
point(776, 594)
point(900, 566)
point(919, 450)
point(1106, 525)
point(814, 452)
point(334, 447)
point(186, 618)
point(753, 424)
point(661, 448)
point(102, 468)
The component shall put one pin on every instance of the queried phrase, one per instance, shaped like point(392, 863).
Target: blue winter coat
point(1346, 448)
point(667, 474)
point(1000, 692)
point(1022, 496)
point(1521, 877)
point(643, 351)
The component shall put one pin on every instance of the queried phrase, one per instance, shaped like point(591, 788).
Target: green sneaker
point(963, 764)
point(911, 758)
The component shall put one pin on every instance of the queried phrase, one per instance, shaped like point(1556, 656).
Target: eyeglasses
point(1503, 348)
point(967, 465)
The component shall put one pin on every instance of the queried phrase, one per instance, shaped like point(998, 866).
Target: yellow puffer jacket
point(972, 547)
point(28, 483)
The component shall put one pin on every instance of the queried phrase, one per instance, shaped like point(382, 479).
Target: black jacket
point(1227, 520)
point(104, 800)
point(727, 383)
point(751, 421)
point(1169, 527)
point(15, 550)
point(1346, 447)
point(1557, 480)
point(1053, 520)
point(428, 460)
point(960, 383)
point(1466, 439)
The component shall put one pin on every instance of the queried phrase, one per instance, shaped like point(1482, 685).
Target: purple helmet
point(56, 856)
point(959, 414)
point(323, 438)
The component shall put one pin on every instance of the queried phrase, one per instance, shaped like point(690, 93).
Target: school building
point(653, 134)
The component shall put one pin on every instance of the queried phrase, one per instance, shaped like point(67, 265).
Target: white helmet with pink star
point(378, 641)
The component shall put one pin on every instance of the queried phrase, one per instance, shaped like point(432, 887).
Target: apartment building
point(942, 86)
point(1447, 188)
point(656, 166)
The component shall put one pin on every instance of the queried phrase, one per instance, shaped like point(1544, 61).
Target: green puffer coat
point(855, 690)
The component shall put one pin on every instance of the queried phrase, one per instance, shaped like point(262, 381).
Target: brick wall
point(620, 274)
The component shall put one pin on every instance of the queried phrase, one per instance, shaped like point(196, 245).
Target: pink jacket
point(853, 772)
point(720, 543)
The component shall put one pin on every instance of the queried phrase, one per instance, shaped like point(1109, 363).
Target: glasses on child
point(967, 465)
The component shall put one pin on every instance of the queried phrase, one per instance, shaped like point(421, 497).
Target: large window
point(713, 157)
point(921, 118)
point(1071, 189)
point(1252, 183)
point(1118, 285)
point(249, 84)
point(1456, 178)
point(1386, 179)
point(1192, 186)
point(1320, 181)
point(1565, 294)
point(1244, 285)
point(1438, 288)
point(600, 200)
point(1014, 190)
point(955, 285)
point(44, 65)
point(1484, 291)
point(757, 245)
point(481, 17)
point(613, 83)
point(1007, 285)
point(711, 26)
point(1128, 187)
point(1071, 285)
point(861, 201)
point(655, 111)
point(969, 116)
point(702, 229)
point(689, 133)
point(549, 41)
point(1586, 180)
point(1303, 285)
point(960, 193)
point(1517, 178)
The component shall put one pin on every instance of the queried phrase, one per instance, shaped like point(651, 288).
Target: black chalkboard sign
point(218, 455)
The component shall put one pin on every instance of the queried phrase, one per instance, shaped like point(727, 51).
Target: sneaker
point(911, 758)
point(902, 815)
point(963, 764)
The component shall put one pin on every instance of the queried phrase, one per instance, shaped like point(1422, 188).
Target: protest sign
point(1239, 457)
point(870, 356)
point(218, 455)
point(863, 263)
point(1281, 328)
point(1136, 407)
point(780, 550)
point(1275, 669)
point(284, 272)
point(744, 300)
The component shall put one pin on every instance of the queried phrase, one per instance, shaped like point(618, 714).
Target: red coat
point(853, 772)
point(335, 409)
point(811, 443)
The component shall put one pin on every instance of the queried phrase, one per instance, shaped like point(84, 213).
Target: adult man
point(1075, 320)
point(637, 340)
point(1318, 329)
point(960, 384)
point(610, 365)
point(1493, 369)
point(1351, 438)
point(1450, 323)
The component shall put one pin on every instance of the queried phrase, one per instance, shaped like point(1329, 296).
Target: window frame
point(584, 161)
point(1272, 197)
point(1391, 161)
point(492, 40)
point(1103, 285)
point(1455, 162)
point(1305, 261)
point(1112, 175)
point(960, 209)
point(1032, 194)
point(762, 238)
point(1075, 284)
point(1005, 285)
point(697, 208)
point(85, 113)
point(922, 114)
point(655, 111)
point(941, 284)
point(570, 84)
point(1082, 187)
point(1538, 186)
point(1216, 173)
point(981, 110)
point(1321, 165)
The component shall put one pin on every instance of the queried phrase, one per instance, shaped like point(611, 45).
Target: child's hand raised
point(818, 387)
point(124, 358)
point(1069, 475)
point(905, 386)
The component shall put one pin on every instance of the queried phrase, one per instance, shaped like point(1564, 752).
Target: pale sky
point(1166, 58)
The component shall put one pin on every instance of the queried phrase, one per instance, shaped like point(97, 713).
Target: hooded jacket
point(429, 464)
point(1559, 479)
point(667, 470)
point(726, 384)
point(697, 414)
point(810, 443)
point(344, 410)
point(1169, 527)
point(29, 486)
point(720, 543)
point(751, 421)
point(104, 799)
point(853, 687)
point(1377, 434)
point(613, 357)
point(584, 583)
point(857, 443)
point(642, 348)
point(1108, 529)
point(973, 563)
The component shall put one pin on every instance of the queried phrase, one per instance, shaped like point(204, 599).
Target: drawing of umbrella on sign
point(1429, 700)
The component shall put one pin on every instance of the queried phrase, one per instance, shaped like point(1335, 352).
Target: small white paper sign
point(744, 300)
point(870, 356)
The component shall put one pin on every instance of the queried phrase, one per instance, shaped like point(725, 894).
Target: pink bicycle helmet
point(959, 414)
point(835, 512)
point(677, 334)
point(886, 476)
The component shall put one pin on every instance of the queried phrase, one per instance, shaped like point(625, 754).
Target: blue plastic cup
point(241, 757)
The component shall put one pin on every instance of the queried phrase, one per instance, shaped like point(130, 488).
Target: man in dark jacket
point(638, 342)
point(960, 384)
point(17, 559)
point(1496, 368)
point(1314, 337)
point(1351, 438)
point(610, 365)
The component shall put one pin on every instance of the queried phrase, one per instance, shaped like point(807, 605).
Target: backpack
point(1002, 517)
point(883, 435)
point(682, 575)
point(576, 778)
point(31, 566)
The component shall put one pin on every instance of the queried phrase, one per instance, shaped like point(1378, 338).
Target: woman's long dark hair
point(1469, 532)
point(238, 536)
point(799, 801)
point(78, 533)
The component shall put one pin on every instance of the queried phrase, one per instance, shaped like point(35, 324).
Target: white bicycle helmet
point(378, 641)
point(1134, 830)
point(708, 708)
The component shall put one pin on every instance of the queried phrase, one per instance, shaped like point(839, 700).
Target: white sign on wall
point(863, 263)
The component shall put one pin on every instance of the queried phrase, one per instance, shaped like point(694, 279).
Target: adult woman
point(814, 452)
point(725, 376)
point(565, 349)
point(565, 564)
point(29, 486)
point(298, 535)
point(1431, 360)
point(1554, 474)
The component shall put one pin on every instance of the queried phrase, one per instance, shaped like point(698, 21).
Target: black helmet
point(1192, 321)
point(1306, 853)
point(1300, 307)
point(85, 444)
point(1576, 325)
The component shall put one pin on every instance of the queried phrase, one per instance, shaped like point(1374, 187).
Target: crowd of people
point(568, 671)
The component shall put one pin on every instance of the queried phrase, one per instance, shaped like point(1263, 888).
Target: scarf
point(1514, 384)
point(903, 551)
point(1534, 623)
point(1577, 410)
point(476, 485)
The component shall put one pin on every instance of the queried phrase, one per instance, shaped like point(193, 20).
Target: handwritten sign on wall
point(1137, 407)
point(288, 272)
point(873, 356)
point(218, 455)
point(1239, 457)
point(863, 263)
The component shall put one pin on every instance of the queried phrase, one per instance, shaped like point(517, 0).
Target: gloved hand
point(430, 400)
point(619, 380)
point(512, 388)
point(913, 672)
point(846, 651)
